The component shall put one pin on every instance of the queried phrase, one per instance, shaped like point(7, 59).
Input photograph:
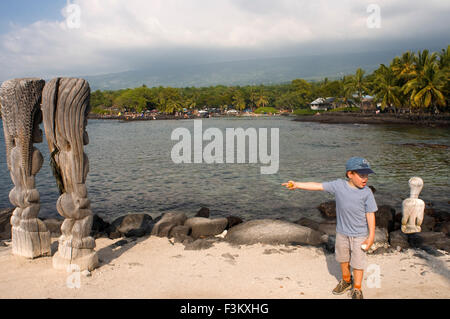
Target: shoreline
point(430, 120)
point(131, 118)
point(439, 120)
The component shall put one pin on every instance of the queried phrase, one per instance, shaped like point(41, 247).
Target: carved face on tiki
point(65, 107)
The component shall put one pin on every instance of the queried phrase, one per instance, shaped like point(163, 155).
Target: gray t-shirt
point(352, 204)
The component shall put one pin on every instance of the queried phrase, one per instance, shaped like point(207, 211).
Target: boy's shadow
point(333, 266)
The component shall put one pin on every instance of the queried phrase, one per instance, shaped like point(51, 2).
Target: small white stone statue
point(413, 208)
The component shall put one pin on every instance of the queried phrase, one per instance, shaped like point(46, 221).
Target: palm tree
point(444, 66)
point(444, 58)
point(189, 103)
point(356, 84)
point(427, 88)
point(404, 66)
point(346, 95)
point(386, 89)
point(404, 69)
point(238, 101)
point(262, 100)
point(422, 59)
point(169, 100)
point(411, 68)
point(253, 97)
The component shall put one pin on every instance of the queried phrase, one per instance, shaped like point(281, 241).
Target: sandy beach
point(154, 267)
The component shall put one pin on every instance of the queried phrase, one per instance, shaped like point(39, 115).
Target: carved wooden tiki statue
point(65, 106)
point(21, 114)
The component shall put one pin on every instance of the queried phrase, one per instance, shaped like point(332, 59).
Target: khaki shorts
point(348, 249)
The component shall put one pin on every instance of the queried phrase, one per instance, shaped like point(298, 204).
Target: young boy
point(355, 221)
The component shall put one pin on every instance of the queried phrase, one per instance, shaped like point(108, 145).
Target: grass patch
point(99, 110)
point(267, 109)
point(306, 112)
point(353, 109)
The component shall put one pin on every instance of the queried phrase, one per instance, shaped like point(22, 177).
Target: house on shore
point(368, 103)
point(323, 103)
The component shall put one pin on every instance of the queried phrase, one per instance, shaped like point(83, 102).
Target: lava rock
point(184, 239)
point(131, 225)
point(438, 215)
point(270, 231)
point(5, 225)
point(398, 217)
point(443, 227)
point(99, 226)
point(381, 240)
point(168, 221)
point(233, 221)
point(381, 235)
point(385, 217)
point(114, 235)
point(330, 243)
point(54, 226)
point(203, 212)
point(428, 223)
point(328, 209)
point(398, 239)
point(304, 221)
point(179, 231)
point(327, 228)
point(204, 227)
point(398, 221)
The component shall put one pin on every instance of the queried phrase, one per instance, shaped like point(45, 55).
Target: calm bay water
point(131, 168)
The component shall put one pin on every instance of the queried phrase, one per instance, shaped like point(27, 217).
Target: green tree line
point(414, 81)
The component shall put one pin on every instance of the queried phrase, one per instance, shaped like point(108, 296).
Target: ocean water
point(131, 169)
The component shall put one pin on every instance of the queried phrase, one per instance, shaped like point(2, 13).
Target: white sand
point(154, 268)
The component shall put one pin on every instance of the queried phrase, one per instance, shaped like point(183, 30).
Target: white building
point(322, 104)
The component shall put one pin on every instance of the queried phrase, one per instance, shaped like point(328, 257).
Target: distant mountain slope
point(257, 71)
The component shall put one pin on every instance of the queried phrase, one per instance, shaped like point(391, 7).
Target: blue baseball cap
point(359, 165)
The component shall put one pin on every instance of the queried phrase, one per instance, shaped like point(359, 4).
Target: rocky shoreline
point(430, 120)
point(433, 120)
point(201, 231)
point(131, 118)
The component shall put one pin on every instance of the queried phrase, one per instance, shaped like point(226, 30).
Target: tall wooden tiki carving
point(65, 106)
point(21, 114)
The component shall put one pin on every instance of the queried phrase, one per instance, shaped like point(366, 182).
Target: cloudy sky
point(86, 37)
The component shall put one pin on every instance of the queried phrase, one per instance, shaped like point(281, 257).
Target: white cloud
point(112, 31)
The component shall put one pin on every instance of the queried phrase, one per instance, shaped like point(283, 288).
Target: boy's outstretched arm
point(309, 186)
